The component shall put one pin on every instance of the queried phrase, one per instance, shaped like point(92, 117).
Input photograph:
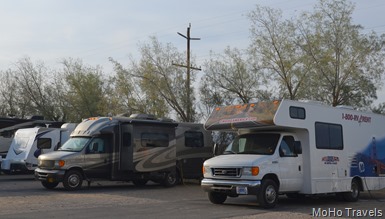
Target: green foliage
point(84, 91)
point(229, 78)
point(347, 65)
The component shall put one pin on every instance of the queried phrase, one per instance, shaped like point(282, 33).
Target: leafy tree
point(83, 92)
point(347, 65)
point(27, 90)
point(9, 94)
point(274, 50)
point(128, 95)
point(162, 84)
point(229, 78)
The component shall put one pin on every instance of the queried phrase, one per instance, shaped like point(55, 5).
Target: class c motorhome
point(295, 148)
point(138, 148)
point(29, 143)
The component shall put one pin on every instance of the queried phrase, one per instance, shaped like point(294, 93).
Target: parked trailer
point(29, 143)
point(137, 149)
point(8, 127)
point(296, 148)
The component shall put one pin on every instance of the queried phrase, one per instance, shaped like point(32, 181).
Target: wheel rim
point(73, 180)
point(355, 190)
point(270, 194)
point(171, 178)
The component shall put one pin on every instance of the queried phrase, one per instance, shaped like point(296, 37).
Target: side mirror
point(297, 147)
point(215, 149)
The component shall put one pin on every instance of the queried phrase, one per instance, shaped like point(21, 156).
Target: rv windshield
point(74, 144)
point(256, 143)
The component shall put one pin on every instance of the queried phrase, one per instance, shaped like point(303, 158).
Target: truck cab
point(256, 163)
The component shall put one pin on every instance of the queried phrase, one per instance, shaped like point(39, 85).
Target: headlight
point(251, 171)
point(205, 170)
point(59, 163)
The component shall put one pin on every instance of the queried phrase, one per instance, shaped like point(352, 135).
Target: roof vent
point(143, 116)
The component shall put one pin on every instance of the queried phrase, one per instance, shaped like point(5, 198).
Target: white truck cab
point(295, 148)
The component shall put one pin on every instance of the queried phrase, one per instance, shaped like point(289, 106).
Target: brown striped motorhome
point(139, 148)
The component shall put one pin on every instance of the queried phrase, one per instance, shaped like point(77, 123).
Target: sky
point(94, 30)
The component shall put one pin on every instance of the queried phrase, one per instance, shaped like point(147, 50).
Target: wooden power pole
point(188, 67)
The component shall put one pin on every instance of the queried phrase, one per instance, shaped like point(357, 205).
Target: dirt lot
point(23, 197)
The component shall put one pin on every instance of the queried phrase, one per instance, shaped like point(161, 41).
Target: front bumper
point(230, 186)
point(49, 175)
point(16, 166)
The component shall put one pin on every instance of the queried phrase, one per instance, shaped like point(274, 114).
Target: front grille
point(46, 163)
point(232, 172)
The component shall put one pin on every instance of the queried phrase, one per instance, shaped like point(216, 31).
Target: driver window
point(286, 149)
point(96, 146)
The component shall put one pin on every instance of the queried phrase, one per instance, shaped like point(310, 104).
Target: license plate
point(241, 190)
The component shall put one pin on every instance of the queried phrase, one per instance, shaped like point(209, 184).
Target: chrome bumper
point(228, 185)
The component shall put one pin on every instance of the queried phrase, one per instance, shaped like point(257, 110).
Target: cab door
point(98, 157)
point(290, 164)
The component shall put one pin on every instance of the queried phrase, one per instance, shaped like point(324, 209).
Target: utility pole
point(188, 67)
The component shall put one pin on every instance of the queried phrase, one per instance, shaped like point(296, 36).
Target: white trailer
point(29, 143)
point(296, 148)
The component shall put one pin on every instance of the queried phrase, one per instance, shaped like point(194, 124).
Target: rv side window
point(44, 143)
point(328, 136)
point(297, 112)
point(126, 139)
point(154, 140)
point(193, 139)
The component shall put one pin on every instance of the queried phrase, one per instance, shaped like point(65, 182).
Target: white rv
point(8, 127)
point(137, 149)
point(29, 143)
point(295, 148)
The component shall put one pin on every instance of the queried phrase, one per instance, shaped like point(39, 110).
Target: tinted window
point(193, 139)
point(44, 143)
point(286, 148)
point(154, 140)
point(96, 146)
point(328, 136)
point(297, 112)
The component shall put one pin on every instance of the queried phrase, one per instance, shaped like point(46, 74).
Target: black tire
point(268, 194)
point(354, 194)
point(170, 179)
point(73, 180)
point(140, 182)
point(49, 185)
point(217, 198)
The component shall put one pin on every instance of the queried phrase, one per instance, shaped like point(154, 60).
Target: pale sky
point(93, 30)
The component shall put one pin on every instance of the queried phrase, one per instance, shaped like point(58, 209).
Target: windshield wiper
point(229, 152)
